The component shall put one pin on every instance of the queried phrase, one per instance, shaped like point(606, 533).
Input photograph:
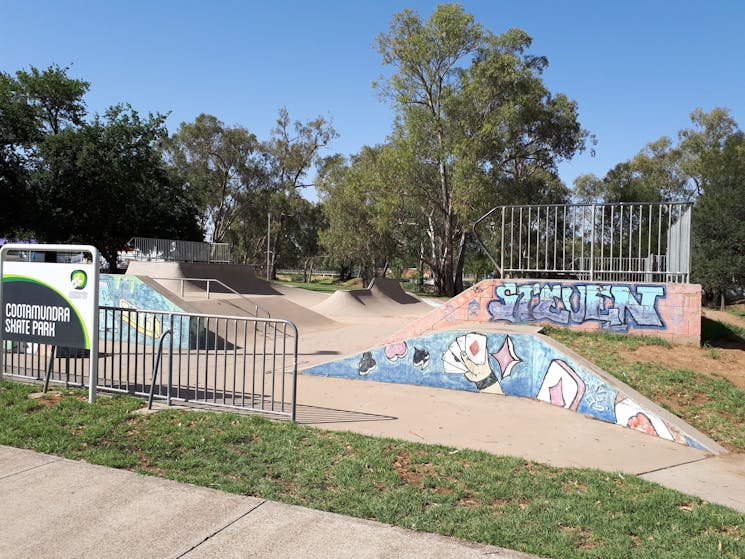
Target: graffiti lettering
point(615, 306)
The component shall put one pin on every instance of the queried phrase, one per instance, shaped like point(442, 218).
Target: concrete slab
point(720, 479)
point(502, 425)
point(14, 460)
point(53, 507)
point(279, 530)
point(63, 508)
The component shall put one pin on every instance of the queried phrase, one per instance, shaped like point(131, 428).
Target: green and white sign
point(47, 304)
point(50, 303)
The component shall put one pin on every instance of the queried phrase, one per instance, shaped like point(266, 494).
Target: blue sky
point(636, 68)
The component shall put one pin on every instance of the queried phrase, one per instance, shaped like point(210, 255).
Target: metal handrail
point(156, 366)
point(211, 280)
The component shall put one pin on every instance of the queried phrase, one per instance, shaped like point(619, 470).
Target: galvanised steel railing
point(166, 250)
point(209, 290)
point(243, 363)
point(596, 242)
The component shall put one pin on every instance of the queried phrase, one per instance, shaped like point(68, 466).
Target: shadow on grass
point(719, 334)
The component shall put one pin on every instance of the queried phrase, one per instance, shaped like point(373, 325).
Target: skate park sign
point(50, 302)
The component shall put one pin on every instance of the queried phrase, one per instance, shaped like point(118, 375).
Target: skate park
point(337, 332)
point(470, 372)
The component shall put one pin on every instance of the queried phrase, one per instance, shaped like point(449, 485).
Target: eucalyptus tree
point(475, 122)
point(219, 164)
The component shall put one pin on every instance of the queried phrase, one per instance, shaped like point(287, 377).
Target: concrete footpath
point(52, 507)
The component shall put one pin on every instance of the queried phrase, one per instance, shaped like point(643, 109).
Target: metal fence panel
point(606, 242)
point(244, 363)
point(167, 250)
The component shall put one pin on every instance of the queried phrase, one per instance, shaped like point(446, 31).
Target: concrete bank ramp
point(236, 276)
point(494, 360)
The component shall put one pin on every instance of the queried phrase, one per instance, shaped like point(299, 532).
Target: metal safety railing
point(167, 250)
point(209, 290)
point(597, 242)
point(243, 363)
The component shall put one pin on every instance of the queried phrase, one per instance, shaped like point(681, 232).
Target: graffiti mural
point(125, 292)
point(616, 307)
point(499, 363)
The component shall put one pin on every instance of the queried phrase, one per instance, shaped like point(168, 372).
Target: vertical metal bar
point(564, 241)
point(214, 366)
point(284, 362)
point(263, 368)
point(545, 256)
point(639, 248)
point(253, 370)
point(556, 232)
point(667, 251)
point(592, 243)
point(512, 235)
point(235, 355)
point(197, 357)
point(530, 229)
point(520, 241)
point(602, 240)
point(274, 364)
point(582, 245)
point(501, 251)
point(574, 234)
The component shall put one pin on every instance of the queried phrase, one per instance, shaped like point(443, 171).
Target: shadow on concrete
point(313, 415)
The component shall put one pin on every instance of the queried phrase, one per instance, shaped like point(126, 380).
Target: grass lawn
point(712, 404)
point(509, 502)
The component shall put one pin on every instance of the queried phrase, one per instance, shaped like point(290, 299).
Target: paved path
point(52, 507)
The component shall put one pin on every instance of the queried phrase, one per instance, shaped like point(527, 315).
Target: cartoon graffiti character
point(561, 386)
point(469, 355)
point(630, 414)
point(421, 358)
point(367, 364)
point(396, 351)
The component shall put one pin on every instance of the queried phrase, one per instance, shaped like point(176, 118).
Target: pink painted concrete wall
point(667, 310)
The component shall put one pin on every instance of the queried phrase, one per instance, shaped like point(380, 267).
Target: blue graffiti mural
point(616, 307)
point(509, 364)
point(130, 292)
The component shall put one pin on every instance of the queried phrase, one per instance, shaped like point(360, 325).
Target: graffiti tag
point(615, 306)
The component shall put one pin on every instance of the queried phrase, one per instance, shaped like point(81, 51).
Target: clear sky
point(636, 68)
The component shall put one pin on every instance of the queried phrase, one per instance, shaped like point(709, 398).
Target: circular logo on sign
point(79, 279)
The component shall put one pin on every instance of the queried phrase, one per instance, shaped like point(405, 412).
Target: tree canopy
point(475, 126)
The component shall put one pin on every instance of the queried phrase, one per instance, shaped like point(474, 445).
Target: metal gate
point(244, 363)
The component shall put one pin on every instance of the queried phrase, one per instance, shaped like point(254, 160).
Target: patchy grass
point(712, 404)
point(509, 502)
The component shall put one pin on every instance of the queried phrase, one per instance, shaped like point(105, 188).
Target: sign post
point(53, 303)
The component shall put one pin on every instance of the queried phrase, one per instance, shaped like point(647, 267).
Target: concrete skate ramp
point(236, 276)
point(382, 299)
point(276, 305)
point(494, 360)
point(392, 289)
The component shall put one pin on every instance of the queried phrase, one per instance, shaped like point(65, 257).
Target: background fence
point(165, 250)
point(606, 242)
point(235, 362)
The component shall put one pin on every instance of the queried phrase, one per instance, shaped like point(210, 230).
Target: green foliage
point(100, 181)
point(67, 179)
point(475, 126)
point(219, 164)
point(719, 224)
point(713, 405)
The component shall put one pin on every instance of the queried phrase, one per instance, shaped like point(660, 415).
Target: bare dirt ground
point(725, 359)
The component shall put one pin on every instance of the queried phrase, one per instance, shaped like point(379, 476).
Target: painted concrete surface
point(671, 311)
point(523, 365)
point(53, 507)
